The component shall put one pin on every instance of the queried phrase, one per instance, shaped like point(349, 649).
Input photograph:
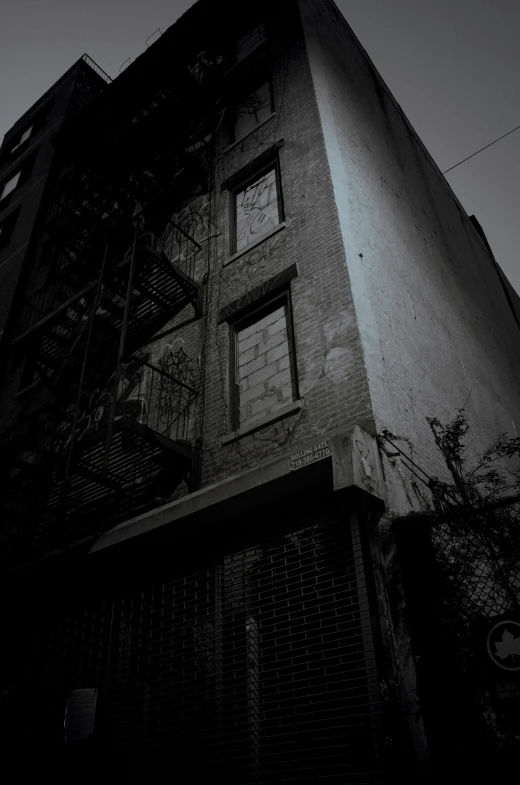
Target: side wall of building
point(332, 385)
point(67, 96)
point(22, 271)
point(438, 333)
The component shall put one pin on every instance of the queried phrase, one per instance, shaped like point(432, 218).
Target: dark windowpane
point(253, 110)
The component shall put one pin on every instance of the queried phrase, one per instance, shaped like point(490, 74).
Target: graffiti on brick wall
point(195, 220)
point(174, 399)
point(253, 110)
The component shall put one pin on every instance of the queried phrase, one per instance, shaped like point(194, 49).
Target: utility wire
point(482, 148)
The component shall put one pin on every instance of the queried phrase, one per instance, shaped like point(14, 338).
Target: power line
point(482, 148)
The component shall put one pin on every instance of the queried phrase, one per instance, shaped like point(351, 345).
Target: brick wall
point(328, 362)
point(328, 359)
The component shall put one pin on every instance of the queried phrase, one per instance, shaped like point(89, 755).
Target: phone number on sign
point(309, 455)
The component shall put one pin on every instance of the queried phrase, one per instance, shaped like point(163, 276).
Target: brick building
point(240, 268)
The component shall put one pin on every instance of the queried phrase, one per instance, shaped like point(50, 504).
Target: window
point(264, 371)
point(9, 185)
point(18, 143)
point(257, 209)
point(17, 179)
point(7, 227)
point(23, 138)
point(250, 41)
point(253, 109)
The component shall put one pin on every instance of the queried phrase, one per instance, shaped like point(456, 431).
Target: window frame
point(255, 313)
point(16, 176)
point(242, 186)
point(30, 132)
point(24, 171)
point(248, 89)
point(13, 150)
point(248, 33)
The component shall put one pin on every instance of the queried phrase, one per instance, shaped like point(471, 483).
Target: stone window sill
point(277, 414)
point(246, 136)
point(263, 238)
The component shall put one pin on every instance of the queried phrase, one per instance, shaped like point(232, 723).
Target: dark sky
point(453, 65)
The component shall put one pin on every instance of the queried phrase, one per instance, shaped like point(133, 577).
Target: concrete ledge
point(223, 499)
point(350, 463)
point(278, 414)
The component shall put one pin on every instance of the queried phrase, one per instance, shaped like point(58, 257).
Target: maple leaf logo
point(509, 646)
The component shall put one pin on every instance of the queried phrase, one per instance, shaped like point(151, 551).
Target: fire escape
point(112, 435)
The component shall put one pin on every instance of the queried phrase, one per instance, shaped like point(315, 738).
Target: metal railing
point(180, 248)
point(158, 398)
point(50, 298)
point(95, 67)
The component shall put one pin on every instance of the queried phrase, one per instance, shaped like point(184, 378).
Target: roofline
point(84, 61)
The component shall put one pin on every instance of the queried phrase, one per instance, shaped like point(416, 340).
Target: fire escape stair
point(161, 290)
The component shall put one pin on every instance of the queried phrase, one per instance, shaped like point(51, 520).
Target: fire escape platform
point(137, 455)
point(162, 290)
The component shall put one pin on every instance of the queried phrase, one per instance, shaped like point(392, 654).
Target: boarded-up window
point(264, 363)
point(253, 110)
point(250, 41)
point(257, 209)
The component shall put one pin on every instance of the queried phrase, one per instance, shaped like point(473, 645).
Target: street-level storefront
point(237, 652)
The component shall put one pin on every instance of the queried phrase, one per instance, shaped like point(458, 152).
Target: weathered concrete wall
point(436, 328)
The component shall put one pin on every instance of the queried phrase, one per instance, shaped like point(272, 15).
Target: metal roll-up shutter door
point(255, 665)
